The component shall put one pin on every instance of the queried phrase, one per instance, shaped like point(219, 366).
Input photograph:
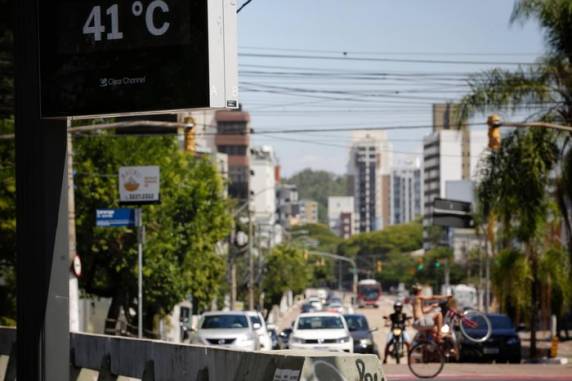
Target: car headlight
point(512, 341)
point(244, 339)
point(345, 339)
point(365, 342)
point(296, 340)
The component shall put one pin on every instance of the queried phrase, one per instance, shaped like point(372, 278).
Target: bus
point(369, 293)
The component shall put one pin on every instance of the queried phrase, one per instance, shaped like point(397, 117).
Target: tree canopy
point(181, 232)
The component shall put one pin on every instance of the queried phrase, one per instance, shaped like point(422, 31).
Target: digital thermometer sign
point(107, 57)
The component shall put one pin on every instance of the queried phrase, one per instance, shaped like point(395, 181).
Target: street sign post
point(107, 57)
point(122, 217)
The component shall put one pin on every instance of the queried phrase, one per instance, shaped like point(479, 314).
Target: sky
point(377, 63)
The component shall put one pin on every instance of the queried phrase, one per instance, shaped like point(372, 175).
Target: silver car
point(232, 329)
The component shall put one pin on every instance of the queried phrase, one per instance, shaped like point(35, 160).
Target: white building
point(370, 171)
point(341, 216)
point(263, 194)
point(406, 193)
point(451, 153)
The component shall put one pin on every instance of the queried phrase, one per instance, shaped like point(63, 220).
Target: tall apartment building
point(233, 139)
point(370, 177)
point(263, 195)
point(341, 216)
point(450, 153)
point(406, 192)
point(288, 208)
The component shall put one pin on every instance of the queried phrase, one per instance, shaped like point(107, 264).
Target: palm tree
point(515, 179)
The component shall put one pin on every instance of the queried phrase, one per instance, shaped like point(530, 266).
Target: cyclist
point(428, 317)
point(397, 319)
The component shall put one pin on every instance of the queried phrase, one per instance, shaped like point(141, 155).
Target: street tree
point(285, 269)
point(182, 232)
point(515, 179)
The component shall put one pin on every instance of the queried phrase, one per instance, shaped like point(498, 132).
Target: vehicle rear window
point(224, 322)
point(501, 322)
point(356, 323)
point(320, 322)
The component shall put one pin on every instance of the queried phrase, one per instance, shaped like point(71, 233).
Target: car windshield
point(357, 323)
point(224, 322)
point(501, 322)
point(320, 322)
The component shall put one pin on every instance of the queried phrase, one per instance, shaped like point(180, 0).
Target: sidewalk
point(543, 344)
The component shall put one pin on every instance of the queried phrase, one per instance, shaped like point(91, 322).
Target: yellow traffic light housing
point(190, 138)
point(494, 122)
point(378, 266)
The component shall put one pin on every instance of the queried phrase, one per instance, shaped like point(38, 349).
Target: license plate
point(491, 351)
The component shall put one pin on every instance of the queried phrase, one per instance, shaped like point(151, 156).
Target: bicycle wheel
point(426, 360)
point(475, 326)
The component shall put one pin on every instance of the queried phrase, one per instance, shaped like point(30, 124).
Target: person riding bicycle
point(397, 319)
point(428, 317)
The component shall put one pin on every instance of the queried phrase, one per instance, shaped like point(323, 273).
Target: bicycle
point(427, 357)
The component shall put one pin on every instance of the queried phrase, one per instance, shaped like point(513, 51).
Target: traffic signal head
point(437, 264)
point(494, 122)
point(378, 266)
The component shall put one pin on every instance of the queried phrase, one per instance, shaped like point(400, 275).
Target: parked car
point(336, 307)
point(324, 331)
point(361, 334)
point(284, 338)
point(502, 346)
point(261, 330)
point(315, 304)
point(232, 329)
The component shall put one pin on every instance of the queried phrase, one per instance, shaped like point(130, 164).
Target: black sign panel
point(117, 56)
point(452, 205)
point(462, 222)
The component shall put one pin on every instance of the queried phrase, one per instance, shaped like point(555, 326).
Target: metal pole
point(42, 264)
point(140, 229)
point(447, 275)
point(250, 263)
point(73, 281)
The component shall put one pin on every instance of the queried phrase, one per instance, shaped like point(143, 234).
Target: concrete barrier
point(153, 360)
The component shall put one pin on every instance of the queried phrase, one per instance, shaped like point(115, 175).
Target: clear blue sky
point(442, 30)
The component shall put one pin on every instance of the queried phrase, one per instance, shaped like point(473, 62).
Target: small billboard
point(139, 185)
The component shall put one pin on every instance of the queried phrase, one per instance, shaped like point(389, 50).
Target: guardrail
point(150, 360)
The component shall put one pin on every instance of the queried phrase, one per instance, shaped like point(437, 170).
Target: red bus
point(369, 293)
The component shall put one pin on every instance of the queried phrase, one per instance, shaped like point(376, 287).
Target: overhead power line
point(377, 59)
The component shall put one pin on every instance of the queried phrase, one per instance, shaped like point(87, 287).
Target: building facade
point(288, 209)
point(308, 212)
point(406, 190)
point(233, 139)
point(369, 168)
point(341, 216)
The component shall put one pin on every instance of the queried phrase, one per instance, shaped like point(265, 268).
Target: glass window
point(224, 322)
point(320, 322)
point(357, 323)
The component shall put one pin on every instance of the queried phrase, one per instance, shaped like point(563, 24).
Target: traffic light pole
point(341, 258)
point(140, 239)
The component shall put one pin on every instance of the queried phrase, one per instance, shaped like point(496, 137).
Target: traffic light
point(190, 139)
point(437, 264)
point(378, 265)
point(420, 264)
point(494, 122)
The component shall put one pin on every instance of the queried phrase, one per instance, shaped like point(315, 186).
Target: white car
point(259, 325)
point(315, 303)
point(232, 329)
point(322, 331)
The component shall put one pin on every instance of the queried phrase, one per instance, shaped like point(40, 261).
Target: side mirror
point(373, 330)
point(256, 326)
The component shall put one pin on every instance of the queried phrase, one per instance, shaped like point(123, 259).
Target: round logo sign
point(76, 266)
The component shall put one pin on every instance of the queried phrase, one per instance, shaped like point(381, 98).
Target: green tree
point(181, 232)
point(318, 186)
point(515, 187)
point(285, 269)
point(6, 60)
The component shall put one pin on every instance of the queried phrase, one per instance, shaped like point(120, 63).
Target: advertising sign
point(108, 57)
point(139, 185)
point(115, 217)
